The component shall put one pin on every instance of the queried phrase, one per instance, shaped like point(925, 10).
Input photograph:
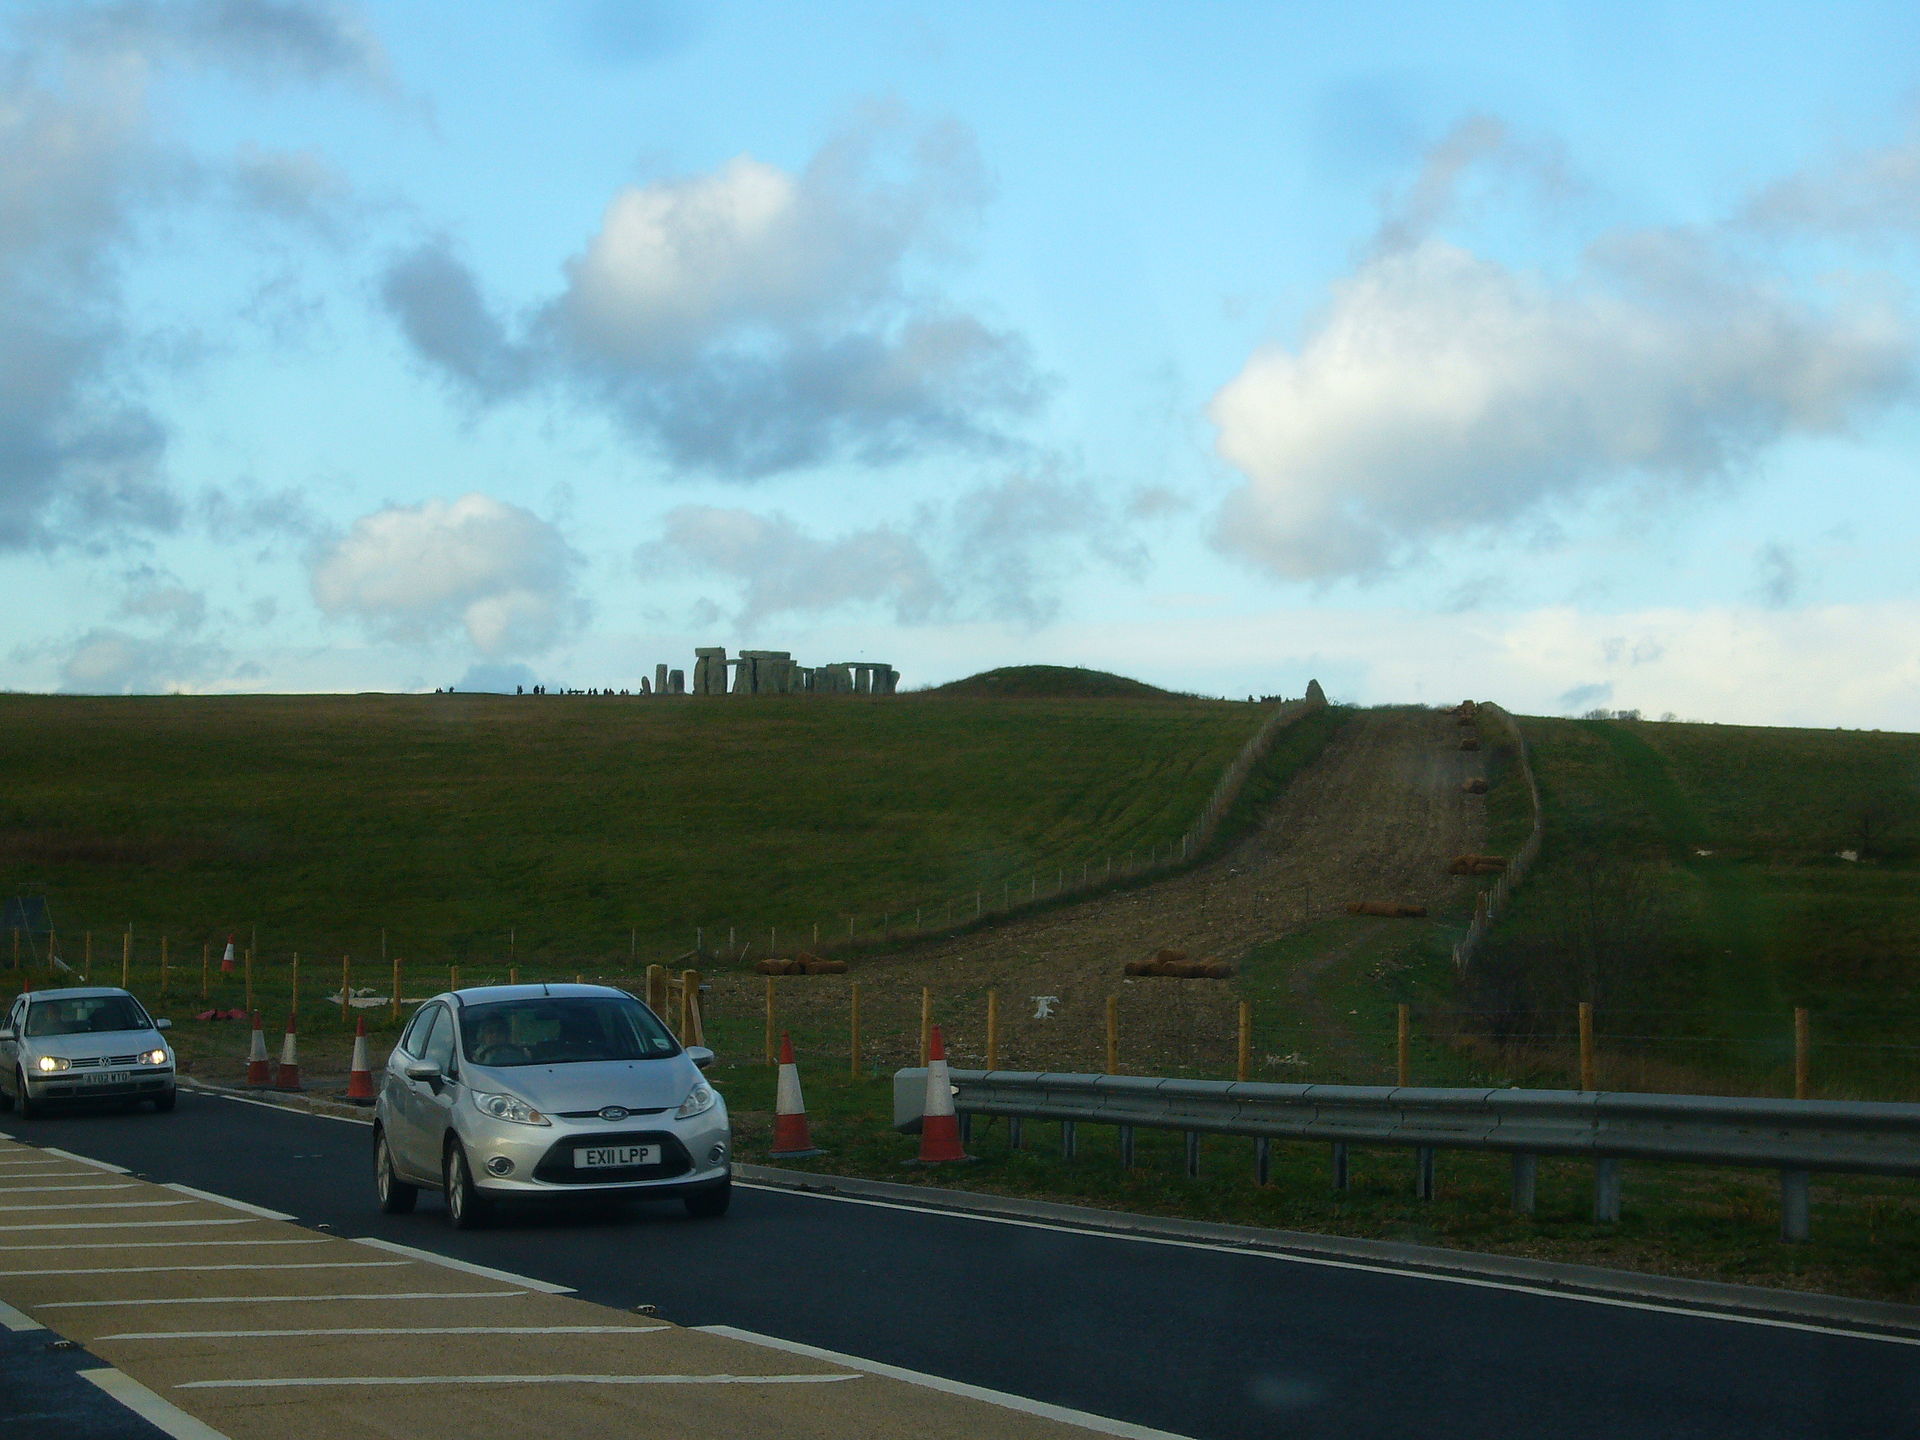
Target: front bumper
point(75, 1085)
point(694, 1154)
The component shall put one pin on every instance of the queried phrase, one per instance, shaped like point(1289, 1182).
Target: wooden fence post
point(126, 958)
point(249, 970)
point(1802, 1054)
point(993, 1029)
point(657, 990)
point(163, 965)
point(1586, 1045)
point(396, 987)
point(1403, 1051)
point(296, 981)
point(1243, 1067)
point(690, 1008)
point(770, 1049)
point(453, 977)
point(1113, 1034)
point(346, 987)
point(926, 1022)
point(853, 1028)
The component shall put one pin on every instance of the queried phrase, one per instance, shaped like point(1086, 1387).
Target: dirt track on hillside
point(1376, 816)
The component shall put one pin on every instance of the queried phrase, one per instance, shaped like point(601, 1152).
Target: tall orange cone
point(939, 1126)
point(259, 1071)
point(790, 1138)
point(287, 1077)
point(226, 960)
point(359, 1077)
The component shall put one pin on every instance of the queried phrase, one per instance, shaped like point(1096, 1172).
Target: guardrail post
point(1339, 1164)
point(1243, 1061)
point(1262, 1160)
point(1126, 1147)
point(1802, 1055)
point(965, 1119)
point(1526, 1177)
point(1193, 1154)
point(1606, 1190)
point(1403, 1056)
point(993, 1029)
point(1014, 1127)
point(1423, 1172)
point(1796, 1205)
point(1586, 1046)
point(1069, 1138)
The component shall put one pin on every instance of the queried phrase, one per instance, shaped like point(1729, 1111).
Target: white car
point(80, 1045)
point(537, 1091)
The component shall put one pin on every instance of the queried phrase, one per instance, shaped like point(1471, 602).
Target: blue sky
point(1558, 355)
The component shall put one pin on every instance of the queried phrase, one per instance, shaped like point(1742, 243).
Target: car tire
point(396, 1196)
point(28, 1109)
point(709, 1203)
point(6, 1100)
point(466, 1207)
point(166, 1102)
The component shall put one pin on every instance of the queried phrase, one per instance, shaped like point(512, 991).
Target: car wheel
point(396, 1196)
point(466, 1210)
point(710, 1203)
point(164, 1103)
point(27, 1108)
point(6, 1100)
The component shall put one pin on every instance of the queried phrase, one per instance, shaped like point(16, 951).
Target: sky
point(1559, 355)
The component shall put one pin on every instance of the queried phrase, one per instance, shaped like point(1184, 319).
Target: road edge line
point(1066, 1415)
point(260, 1212)
point(394, 1247)
point(154, 1409)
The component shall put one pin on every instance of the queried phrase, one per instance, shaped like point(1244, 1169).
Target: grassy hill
point(1696, 886)
point(1051, 682)
point(588, 827)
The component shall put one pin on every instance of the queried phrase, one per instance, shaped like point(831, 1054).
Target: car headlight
point(510, 1108)
point(47, 1064)
point(699, 1100)
point(155, 1057)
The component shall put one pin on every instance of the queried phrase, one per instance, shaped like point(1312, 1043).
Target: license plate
point(604, 1157)
point(106, 1077)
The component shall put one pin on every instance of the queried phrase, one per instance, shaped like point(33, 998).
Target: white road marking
point(1099, 1424)
point(356, 1380)
point(17, 1319)
point(281, 1299)
point(85, 1160)
point(1326, 1262)
point(545, 1287)
point(151, 1407)
point(197, 1269)
point(118, 1225)
point(377, 1330)
point(103, 1205)
point(287, 1109)
point(260, 1210)
point(48, 1189)
point(173, 1244)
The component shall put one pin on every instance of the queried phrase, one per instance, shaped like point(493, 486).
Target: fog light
point(716, 1154)
point(500, 1165)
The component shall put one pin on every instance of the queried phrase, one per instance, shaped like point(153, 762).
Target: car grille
point(595, 1114)
point(556, 1167)
point(99, 1062)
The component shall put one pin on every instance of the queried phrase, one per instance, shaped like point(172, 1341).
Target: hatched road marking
point(279, 1299)
point(198, 1269)
point(360, 1380)
point(382, 1330)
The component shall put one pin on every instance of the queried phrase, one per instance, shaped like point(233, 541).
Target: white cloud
point(1444, 393)
point(753, 319)
point(1862, 193)
point(494, 570)
point(113, 662)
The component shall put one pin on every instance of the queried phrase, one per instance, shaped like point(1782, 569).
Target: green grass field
point(578, 830)
point(1693, 887)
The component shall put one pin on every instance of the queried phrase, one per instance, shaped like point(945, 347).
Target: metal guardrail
point(1797, 1137)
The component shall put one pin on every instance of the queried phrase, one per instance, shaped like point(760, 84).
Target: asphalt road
point(1200, 1342)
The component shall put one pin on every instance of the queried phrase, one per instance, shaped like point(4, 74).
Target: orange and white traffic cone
point(226, 960)
point(287, 1077)
point(939, 1126)
point(790, 1138)
point(359, 1077)
point(259, 1071)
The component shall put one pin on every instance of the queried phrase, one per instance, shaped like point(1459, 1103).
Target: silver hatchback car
point(539, 1091)
point(79, 1044)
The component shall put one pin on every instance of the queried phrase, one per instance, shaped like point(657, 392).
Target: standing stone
point(889, 680)
point(646, 686)
point(676, 682)
point(659, 679)
point(863, 679)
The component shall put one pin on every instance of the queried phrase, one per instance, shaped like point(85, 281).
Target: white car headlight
point(155, 1057)
point(508, 1107)
point(47, 1064)
point(699, 1100)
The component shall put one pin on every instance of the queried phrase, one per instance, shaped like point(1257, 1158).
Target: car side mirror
point(163, 1024)
point(427, 1071)
point(6, 1032)
point(700, 1055)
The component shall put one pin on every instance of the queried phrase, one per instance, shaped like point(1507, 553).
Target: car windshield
point(555, 1030)
point(87, 1015)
